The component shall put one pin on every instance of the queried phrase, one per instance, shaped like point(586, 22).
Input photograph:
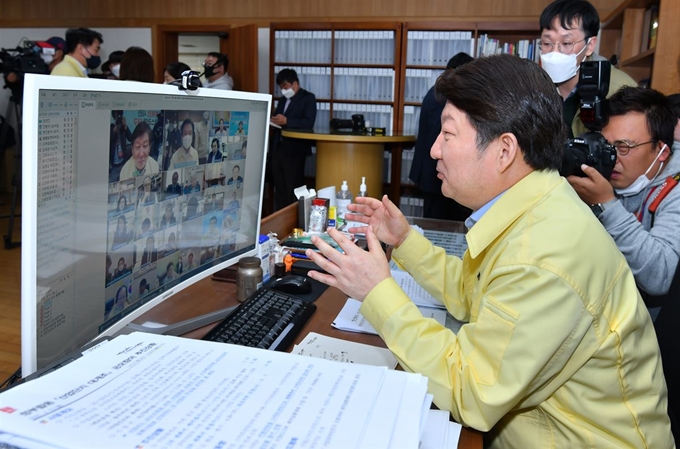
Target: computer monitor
point(131, 193)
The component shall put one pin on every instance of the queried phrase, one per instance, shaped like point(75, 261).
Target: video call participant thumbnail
point(140, 164)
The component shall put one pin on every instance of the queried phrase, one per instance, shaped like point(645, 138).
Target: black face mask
point(210, 70)
point(93, 61)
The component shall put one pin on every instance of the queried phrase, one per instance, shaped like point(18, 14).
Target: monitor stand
point(181, 327)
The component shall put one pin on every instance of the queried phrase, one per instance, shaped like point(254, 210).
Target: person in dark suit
point(424, 168)
point(150, 253)
point(296, 110)
point(119, 152)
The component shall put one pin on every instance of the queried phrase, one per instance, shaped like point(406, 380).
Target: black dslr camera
point(356, 124)
point(591, 148)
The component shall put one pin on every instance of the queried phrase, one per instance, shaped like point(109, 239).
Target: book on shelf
point(653, 25)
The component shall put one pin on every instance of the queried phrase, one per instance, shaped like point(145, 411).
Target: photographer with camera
point(83, 46)
point(639, 207)
point(569, 31)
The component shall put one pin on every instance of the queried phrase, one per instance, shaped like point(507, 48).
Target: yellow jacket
point(68, 67)
point(559, 350)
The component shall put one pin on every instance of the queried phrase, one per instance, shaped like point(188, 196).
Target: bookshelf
point(626, 33)
point(426, 49)
point(384, 69)
point(352, 68)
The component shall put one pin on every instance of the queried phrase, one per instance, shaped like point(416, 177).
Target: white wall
point(114, 39)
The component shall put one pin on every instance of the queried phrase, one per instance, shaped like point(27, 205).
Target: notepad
point(329, 348)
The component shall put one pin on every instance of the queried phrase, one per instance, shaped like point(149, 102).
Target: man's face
point(214, 147)
point(94, 49)
point(175, 178)
point(140, 151)
point(211, 61)
point(461, 167)
point(147, 184)
point(287, 85)
point(632, 128)
point(567, 41)
point(234, 172)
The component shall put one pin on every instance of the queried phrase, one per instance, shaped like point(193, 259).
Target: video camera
point(591, 147)
point(22, 60)
point(356, 124)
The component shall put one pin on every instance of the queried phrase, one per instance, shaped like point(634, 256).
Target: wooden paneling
point(632, 32)
point(242, 50)
point(261, 12)
point(666, 69)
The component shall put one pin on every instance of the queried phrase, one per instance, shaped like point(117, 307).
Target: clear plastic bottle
point(317, 216)
point(342, 200)
point(362, 187)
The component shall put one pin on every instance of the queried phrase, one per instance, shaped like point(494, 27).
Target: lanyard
point(655, 196)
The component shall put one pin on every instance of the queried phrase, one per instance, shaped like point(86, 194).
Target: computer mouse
point(292, 284)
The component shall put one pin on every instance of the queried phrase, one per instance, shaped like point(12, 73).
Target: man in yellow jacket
point(558, 350)
point(83, 46)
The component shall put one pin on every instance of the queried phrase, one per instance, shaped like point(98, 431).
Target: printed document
point(350, 319)
point(329, 348)
point(154, 391)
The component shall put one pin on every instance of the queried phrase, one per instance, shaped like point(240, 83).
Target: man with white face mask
point(568, 37)
point(186, 155)
point(295, 110)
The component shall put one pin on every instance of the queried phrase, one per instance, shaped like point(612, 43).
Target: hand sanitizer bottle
point(362, 187)
point(342, 200)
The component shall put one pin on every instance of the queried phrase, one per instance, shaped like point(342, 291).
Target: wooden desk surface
point(208, 295)
point(348, 137)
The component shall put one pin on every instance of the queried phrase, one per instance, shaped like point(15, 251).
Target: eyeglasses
point(565, 48)
point(623, 147)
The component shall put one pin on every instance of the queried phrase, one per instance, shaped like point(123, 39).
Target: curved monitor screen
point(131, 192)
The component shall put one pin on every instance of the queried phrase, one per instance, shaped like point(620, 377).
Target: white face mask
point(115, 70)
point(288, 93)
point(186, 141)
point(47, 58)
point(642, 181)
point(561, 67)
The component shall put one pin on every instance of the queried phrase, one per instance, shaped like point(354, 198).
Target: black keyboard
point(268, 319)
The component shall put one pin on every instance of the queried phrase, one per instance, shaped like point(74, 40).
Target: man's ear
point(507, 149)
point(592, 44)
point(666, 152)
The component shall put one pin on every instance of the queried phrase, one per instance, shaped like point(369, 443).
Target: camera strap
point(657, 195)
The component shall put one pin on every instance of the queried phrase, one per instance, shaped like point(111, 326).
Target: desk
point(348, 157)
point(207, 295)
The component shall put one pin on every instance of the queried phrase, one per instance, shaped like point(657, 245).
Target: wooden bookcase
point(623, 32)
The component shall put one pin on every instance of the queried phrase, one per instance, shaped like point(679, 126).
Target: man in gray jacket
point(638, 205)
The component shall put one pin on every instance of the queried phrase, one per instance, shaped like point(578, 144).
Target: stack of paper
point(350, 319)
point(329, 348)
point(151, 391)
